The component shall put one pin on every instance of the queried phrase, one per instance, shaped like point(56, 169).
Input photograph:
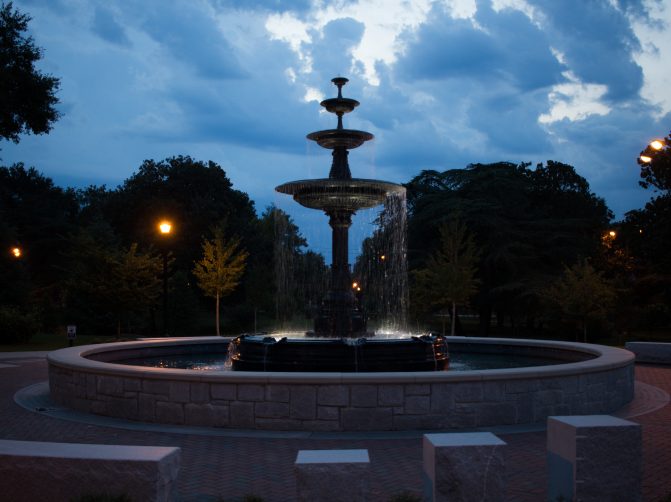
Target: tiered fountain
point(340, 340)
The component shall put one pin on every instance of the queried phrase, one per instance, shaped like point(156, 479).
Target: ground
point(226, 465)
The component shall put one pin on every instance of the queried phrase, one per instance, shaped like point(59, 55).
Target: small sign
point(72, 332)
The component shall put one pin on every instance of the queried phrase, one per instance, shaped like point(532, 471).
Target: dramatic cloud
point(442, 84)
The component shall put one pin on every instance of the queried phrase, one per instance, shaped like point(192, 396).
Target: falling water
point(382, 268)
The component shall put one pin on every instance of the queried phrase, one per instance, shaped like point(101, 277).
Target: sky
point(442, 84)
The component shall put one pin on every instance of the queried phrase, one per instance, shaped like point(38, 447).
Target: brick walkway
point(216, 467)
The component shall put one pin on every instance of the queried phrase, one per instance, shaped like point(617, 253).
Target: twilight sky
point(441, 84)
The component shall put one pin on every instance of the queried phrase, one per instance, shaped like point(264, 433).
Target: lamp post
point(165, 227)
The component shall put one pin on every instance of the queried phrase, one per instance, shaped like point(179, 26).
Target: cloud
point(106, 26)
point(191, 35)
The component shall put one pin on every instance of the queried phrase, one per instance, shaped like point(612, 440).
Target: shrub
point(17, 325)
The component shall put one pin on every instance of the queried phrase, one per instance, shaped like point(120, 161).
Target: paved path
point(226, 467)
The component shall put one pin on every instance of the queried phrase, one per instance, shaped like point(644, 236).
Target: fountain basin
point(340, 195)
point(305, 401)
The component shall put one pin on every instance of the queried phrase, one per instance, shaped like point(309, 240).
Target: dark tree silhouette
point(27, 96)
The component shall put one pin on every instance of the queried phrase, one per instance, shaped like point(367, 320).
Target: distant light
point(358, 288)
point(657, 144)
point(645, 159)
point(640, 230)
point(383, 257)
point(612, 234)
point(355, 285)
point(165, 227)
point(16, 252)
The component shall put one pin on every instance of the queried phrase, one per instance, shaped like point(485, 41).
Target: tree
point(582, 294)
point(110, 282)
point(27, 96)
point(655, 162)
point(527, 222)
point(449, 278)
point(219, 271)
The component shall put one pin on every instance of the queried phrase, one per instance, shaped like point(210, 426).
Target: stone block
point(332, 475)
point(223, 391)
point(278, 393)
point(328, 412)
point(110, 385)
point(390, 395)
point(251, 392)
point(242, 414)
point(32, 470)
point(469, 392)
point(180, 392)
point(465, 466)
point(417, 389)
point(169, 413)
point(146, 407)
point(442, 398)
point(158, 387)
point(364, 396)
point(333, 395)
point(272, 410)
point(366, 419)
point(200, 393)
point(206, 414)
point(303, 404)
point(593, 458)
point(416, 405)
point(650, 352)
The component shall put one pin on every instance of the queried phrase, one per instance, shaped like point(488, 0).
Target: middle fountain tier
point(340, 317)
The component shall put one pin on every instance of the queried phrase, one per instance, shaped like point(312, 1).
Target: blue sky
point(441, 84)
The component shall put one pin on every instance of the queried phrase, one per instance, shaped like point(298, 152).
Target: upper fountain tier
point(340, 137)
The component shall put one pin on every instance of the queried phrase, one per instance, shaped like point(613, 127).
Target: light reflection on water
point(459, 361)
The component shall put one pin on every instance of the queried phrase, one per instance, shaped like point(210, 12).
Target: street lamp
point(16, 252)
point(165, 228)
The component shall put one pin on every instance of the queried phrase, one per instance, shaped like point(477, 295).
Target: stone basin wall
point(342, 401)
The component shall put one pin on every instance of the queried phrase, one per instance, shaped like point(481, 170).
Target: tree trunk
point(454, 318)
point(118, 328)
point(216, 314)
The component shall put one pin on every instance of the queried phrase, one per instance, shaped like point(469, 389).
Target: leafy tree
point(219, 271)
point(27, 96)
point(449, 278)
point(110, 283)
point(527, 222)
point(582, 294)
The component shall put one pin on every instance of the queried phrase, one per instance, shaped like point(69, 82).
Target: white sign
point(72, 332)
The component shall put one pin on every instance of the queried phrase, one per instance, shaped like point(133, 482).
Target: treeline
point(94, 257)
point(497, 249)
point(528, 252)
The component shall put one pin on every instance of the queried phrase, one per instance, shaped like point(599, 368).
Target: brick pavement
point(226, 468)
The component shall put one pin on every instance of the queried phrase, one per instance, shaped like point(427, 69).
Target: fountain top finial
point(339, 82)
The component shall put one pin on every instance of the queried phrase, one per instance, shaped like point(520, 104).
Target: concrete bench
point(593, 458)
point(463, 466)
point(332, 475)
point(31, 470)
point(650, 352)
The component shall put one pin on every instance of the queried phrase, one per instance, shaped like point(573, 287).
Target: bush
point(17, 325)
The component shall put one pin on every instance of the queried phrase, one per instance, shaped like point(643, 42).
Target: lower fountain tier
point(265, 353)
point(331, 194)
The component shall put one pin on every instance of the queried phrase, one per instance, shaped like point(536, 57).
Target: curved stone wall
point(341, 401)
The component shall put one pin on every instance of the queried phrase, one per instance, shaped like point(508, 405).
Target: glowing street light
point(612, 234)
point(645, 159)
point(16, 252)
point(657, 144)
point(165, 228)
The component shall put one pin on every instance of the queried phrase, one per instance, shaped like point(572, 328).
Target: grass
point(51, 341)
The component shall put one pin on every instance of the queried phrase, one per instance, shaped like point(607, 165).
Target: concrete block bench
point(650, 352)
point(332, 475)
point(463, 466)
point(593, 458)
point(31, 470)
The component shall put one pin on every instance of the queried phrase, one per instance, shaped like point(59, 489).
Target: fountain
point(340, 340)
point(340, 376)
